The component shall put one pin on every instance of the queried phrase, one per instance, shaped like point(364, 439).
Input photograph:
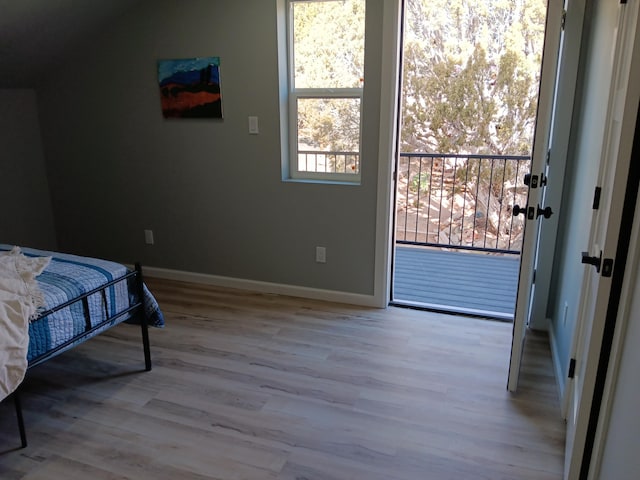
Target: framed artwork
point(190, 88)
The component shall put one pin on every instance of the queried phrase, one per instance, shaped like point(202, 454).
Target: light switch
point(253, 125)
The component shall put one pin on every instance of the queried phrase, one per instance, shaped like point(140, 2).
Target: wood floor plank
point(254, 386)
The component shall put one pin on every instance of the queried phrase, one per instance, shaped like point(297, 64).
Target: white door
point(560, 142)
point(615, 30)
point(544, 120)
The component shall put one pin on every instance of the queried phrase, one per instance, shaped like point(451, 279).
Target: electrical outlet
point(148, 237)
point(321, 255)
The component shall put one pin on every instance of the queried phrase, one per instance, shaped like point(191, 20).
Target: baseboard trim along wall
point(263, 287)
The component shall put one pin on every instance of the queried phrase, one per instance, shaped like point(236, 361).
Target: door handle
point(529, 212)
point(532, 213)
point(595, 261)
point(517, 210)
point(545, 212)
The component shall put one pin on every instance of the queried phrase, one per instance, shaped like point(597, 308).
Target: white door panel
point(546, 106)
point(612, 48)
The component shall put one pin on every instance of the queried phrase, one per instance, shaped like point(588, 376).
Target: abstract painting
point(190, 88)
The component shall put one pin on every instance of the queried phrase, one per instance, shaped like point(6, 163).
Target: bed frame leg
point(23, 433)
point(143, 319)
point(145, 344)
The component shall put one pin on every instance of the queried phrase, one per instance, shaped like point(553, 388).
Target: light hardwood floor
point(254, 386)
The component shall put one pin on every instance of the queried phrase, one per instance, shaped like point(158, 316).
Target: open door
point(535, 213)
point(616, 31)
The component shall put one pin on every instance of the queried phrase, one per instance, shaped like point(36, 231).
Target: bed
point(51, 302)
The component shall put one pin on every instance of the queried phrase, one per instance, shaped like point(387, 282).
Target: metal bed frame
point(90, 331)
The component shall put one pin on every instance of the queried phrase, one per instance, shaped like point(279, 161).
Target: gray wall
point(581, 178)
point(25, 217)
point(212, 194)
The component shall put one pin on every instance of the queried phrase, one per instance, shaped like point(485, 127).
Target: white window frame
point(294, 94)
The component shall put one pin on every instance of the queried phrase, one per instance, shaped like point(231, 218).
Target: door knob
point(545, 212)
point(517, 210)
point(529, 213)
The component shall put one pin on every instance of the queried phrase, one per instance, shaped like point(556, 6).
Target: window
point(325, 82)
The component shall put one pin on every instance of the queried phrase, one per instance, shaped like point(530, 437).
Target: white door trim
point(389, 91)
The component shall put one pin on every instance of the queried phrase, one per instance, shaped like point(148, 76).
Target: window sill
point(355, 182)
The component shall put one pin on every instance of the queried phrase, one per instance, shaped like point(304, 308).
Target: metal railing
point(328, 162)
point(461, 201)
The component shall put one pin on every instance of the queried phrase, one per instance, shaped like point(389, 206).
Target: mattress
point(68, 276)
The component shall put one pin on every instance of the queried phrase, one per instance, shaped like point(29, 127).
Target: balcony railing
point(461, 201)
point(448, 200)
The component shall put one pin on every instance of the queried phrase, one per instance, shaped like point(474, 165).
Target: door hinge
point(533, 280)
point(563, 22)
point(548, 156)
point(572, 368)
point(622, 2)
point(395, 176)
point(596, 198)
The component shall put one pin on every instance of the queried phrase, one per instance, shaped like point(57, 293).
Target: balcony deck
point(457, 281)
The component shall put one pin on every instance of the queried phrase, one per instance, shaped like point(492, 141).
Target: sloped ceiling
point(35, 34)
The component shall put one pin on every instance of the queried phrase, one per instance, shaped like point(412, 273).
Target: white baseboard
point(557, 369)
point(264, 287)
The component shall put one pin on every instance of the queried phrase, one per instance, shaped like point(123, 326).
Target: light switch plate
point(253, 125)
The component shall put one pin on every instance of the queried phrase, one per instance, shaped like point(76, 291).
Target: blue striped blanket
point(68, 276)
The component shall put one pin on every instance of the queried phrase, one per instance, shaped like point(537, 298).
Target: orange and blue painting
point(190, 88)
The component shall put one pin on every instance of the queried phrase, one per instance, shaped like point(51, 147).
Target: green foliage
point(420, 182)
point(329, 53)
point(329, 123)
point(471, 74)
point(329, 43)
